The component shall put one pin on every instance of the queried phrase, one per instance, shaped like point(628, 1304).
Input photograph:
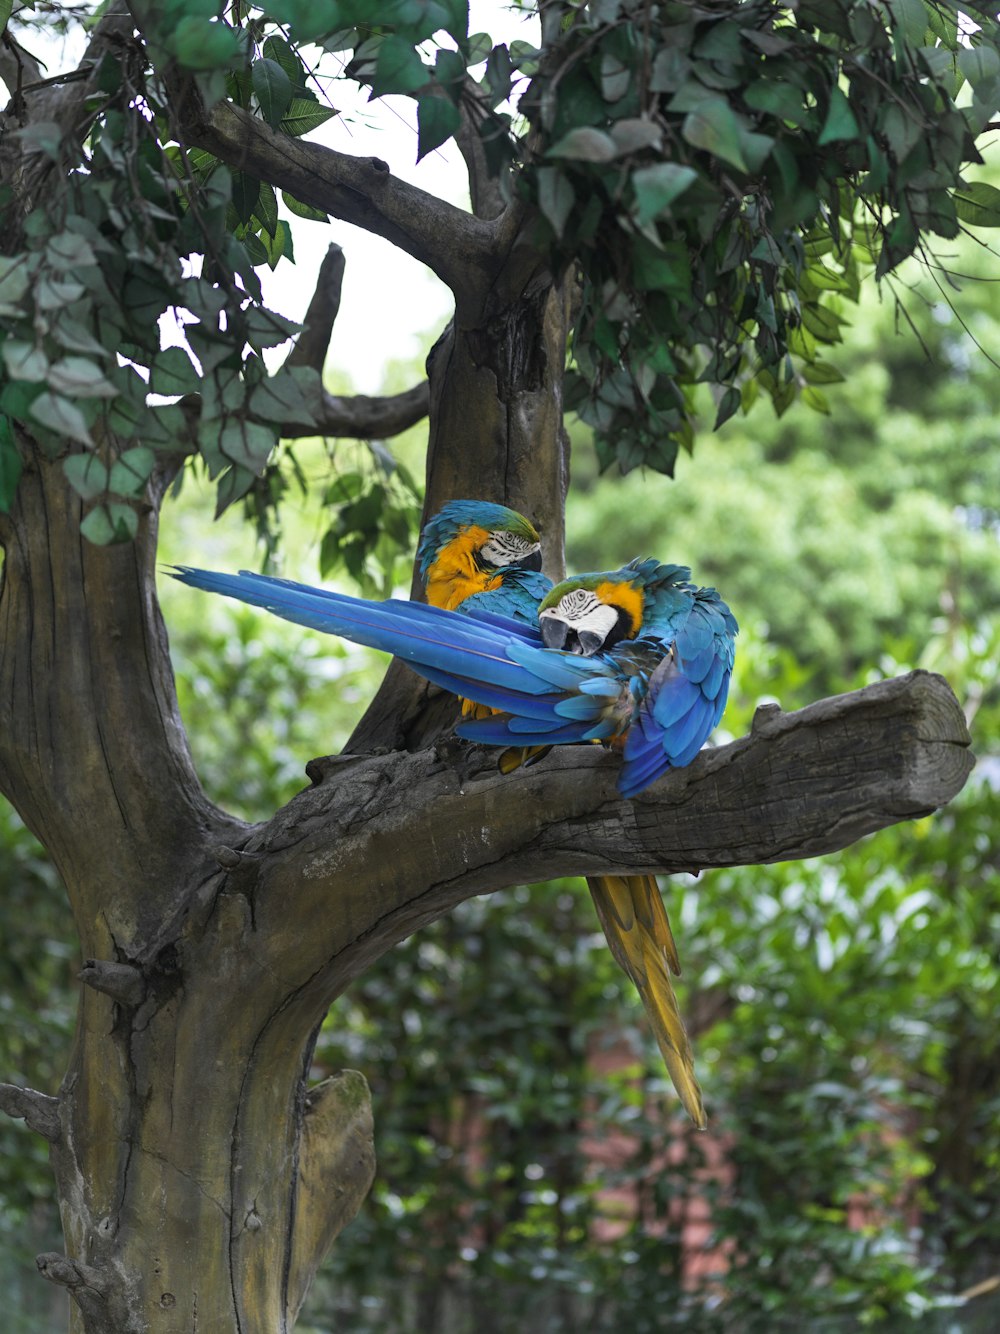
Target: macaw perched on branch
point(477, 556)
point(643, 663)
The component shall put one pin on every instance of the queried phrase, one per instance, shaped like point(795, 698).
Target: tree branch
point(384, 845)
point(358, 417)
point(311, 346)
point(458, 247)
point(484, 188)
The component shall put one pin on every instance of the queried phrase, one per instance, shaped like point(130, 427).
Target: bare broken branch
point(121, 981)
point(38, 1111)
point(317, 327)
point(336, 1170)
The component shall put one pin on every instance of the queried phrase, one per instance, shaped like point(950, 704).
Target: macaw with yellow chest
point(477, 556)
point(637, 658)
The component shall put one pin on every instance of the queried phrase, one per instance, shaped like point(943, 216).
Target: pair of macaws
point(637, 658)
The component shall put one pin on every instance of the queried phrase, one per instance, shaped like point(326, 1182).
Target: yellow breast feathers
point(455, 575)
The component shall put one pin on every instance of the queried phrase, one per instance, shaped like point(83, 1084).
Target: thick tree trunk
point(199, 1183)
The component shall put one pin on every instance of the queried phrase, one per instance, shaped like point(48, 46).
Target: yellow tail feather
point(637, 928)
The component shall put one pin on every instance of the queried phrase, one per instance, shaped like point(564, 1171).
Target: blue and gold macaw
point(637, 658)
point(486, 552)
point(477, 556)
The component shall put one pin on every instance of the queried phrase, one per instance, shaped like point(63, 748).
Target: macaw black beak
point(590, 642)
point(533, 561)
point(553, 631)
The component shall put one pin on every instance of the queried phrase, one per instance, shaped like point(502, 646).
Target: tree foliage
point(723, 175)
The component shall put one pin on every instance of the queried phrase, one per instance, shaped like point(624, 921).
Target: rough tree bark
point(200, 1178)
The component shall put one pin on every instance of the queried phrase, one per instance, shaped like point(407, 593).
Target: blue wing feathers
point(491, 652)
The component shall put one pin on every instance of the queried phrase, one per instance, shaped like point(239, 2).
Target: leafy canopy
point(719, 176)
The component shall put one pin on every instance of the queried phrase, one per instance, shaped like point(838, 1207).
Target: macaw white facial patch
point(505, 548)
point(587, 622)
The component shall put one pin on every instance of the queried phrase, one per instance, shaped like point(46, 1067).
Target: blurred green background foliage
point(843, 1010)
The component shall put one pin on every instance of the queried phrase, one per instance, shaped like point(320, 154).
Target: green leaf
point(304, 115)
point(68, 250)
point(585, 144)
point(278, 50)
point(105, 524)
point(81, 378)
point(657, 187)
point(480, 45)
point(840, 121)
point(728, 404)
point(981, 66)
point(71, 334)
point(822, 323)
point(172, 373)
point(821, 372)
point(449, 70)
point(437, 121)
point(635, 133)
point(616, 77)
point(302, 210)
point(273, 89)
point(131, 471)
point(61, 416)
point(15, 275)
point(6, 6)
point(714, 127)
point(279, 246)
point(266, 328)
point(25, 361)
point(10, 464)
point(266, 210)
point(978, 204)
point(288, 398)
point(555, 197)
point(199, 43)
point(86, 474)
point(53, 293)
point(234, 483)
point(246, 193)
point(247, 443)
point(666, 269)
point(398, 68)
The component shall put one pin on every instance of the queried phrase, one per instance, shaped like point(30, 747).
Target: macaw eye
point(505, 549)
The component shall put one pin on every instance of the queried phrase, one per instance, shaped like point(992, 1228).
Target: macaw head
point(591, 612)
point(487, 536)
